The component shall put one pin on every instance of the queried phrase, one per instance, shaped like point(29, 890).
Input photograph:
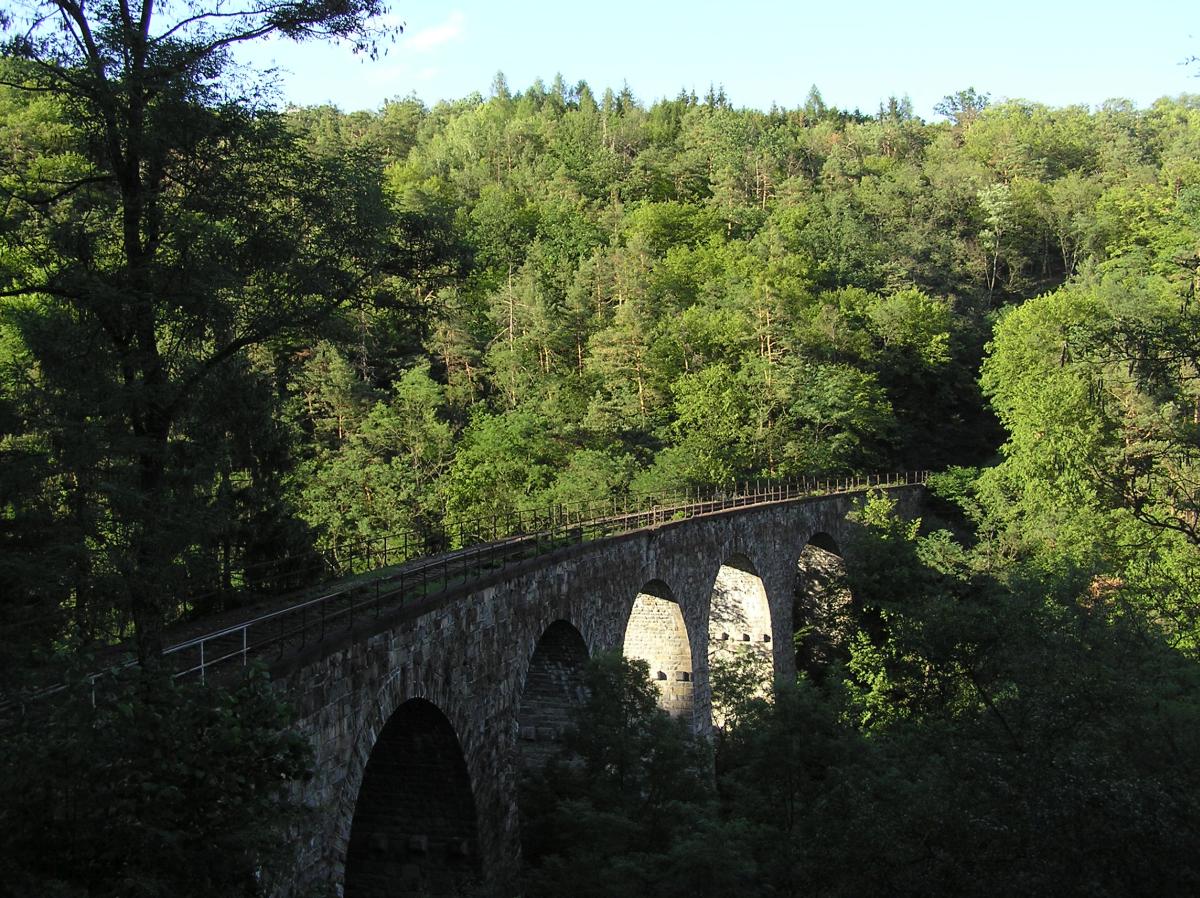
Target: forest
point(233, 333)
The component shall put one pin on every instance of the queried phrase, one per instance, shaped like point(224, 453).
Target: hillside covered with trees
point(549, 296)
point(231, 333)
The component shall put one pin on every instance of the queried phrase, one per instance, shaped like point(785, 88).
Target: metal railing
point(311, 621)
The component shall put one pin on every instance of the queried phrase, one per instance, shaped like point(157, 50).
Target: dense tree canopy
point(159, 223)
point(497, 304)
point(231, 334)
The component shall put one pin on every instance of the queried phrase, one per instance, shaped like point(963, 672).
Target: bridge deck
point(272, 629)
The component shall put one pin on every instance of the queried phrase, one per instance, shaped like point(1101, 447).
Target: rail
point(312, 620)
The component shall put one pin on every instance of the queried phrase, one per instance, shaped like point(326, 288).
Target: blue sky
point(1054, 51)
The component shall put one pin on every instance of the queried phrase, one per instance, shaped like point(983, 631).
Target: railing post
point(201, 660)
point(244, 646)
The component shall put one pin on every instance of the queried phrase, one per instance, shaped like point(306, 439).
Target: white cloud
point(426, 39)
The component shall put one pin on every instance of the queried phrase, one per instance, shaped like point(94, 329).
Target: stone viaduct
point(421, 725)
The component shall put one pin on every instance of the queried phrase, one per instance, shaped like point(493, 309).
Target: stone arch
point(739, 625)
point(414, 828)
point(657, 634)
point(554, 687)
point(822, 609)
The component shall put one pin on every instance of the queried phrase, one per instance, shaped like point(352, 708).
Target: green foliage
point(682, 294)
point(162, 224)
point(1096, 385)
point(375, 464)
point(153, 789)
point(628, 799)
point(1026, 686)
point(502, 464)
point(590, 476)
point(234, 333)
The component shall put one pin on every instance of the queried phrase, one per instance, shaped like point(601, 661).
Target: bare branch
point(204, 16)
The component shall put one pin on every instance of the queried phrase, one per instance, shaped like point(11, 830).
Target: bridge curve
point(467, 651)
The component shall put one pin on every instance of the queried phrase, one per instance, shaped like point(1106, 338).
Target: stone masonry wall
point(739, 623)
point(554, 687)
point(656, 634)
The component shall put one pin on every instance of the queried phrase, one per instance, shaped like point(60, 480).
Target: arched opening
point(657, 635)
point(414, 826)
point(822, 609)
point(739, 633)
point(554, 687)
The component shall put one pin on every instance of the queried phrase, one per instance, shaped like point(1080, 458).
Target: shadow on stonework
point(414, 827)
point(823, 614)
point(554, 688)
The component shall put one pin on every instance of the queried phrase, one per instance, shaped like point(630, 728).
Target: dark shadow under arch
point(554, 687)
point(823, 540)
point(823, 613)
point(414, 829)
point(658, 589)
point(657, 634)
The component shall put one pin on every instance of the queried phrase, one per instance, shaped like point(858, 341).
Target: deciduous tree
point(179, 224)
